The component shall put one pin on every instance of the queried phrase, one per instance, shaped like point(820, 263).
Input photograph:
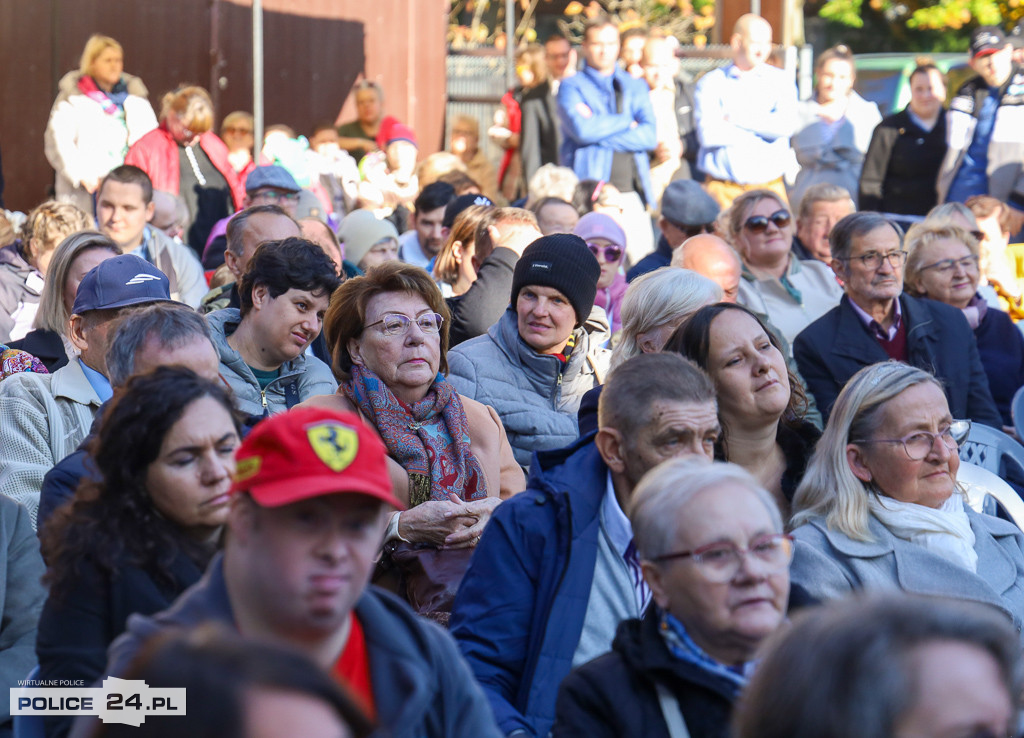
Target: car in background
point(884, 79)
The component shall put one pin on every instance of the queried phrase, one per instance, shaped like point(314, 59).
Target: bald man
point(745, 113)
point(711, 257)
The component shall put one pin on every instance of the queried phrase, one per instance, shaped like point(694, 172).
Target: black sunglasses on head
point(759, 223)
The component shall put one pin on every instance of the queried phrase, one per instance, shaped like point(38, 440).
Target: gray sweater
point(535, 398)
point(312, 375)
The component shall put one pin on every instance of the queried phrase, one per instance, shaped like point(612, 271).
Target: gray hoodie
point(310, 375)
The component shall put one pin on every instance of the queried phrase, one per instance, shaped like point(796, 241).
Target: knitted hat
point(600, 225)
point(360, 231)
point(561, 261)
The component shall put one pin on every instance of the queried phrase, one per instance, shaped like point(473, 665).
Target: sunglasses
point(759, 223)
point(611, 253)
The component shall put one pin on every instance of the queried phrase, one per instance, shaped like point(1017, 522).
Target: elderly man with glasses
point(875, 321)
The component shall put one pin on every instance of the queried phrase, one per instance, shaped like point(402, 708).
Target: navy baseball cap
point(121, 281)
point(271, 175)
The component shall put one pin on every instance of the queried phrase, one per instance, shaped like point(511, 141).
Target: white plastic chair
point(985, 488)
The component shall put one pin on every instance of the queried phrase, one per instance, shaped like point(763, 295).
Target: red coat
point(156, 154)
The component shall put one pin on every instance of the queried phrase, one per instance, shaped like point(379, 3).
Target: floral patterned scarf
point(430, 439)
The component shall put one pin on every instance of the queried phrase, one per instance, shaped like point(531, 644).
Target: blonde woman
point(73, 259)
point(99, 113)
point(454, 268)
point(24, 264)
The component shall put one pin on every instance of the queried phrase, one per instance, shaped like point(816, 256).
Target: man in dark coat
point(562, 550)
point(311, 499)
point(874, 322)
point(541, 134)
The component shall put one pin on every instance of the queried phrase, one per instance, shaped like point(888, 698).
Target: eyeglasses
point(946, 266)
point(718, 562)
point(396, 324)
point(239, 131)
point(611, 253)
point(873, 259)
point(920, 443)
point(275, 196)
point(759, 223)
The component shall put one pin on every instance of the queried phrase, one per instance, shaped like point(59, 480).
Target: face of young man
point(122, 214)
point(601, 48)
point(430, 231)
point(306, 564)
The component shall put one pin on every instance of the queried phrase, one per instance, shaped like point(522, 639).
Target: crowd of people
point(651, 428)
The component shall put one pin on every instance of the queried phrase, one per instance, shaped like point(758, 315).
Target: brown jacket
point(487, 441)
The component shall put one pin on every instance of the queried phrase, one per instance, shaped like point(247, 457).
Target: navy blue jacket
point(421, 687)
point(939, 340)
point(660, 257)
point(519, 613)
point(1001, 348)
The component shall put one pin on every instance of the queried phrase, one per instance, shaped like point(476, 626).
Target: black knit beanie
point(564, 262)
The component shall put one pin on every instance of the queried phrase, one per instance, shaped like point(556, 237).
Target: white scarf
point(945, 531)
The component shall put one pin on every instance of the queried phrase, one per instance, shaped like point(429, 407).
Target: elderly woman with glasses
point(787, 292)
point(942, 264)
point(879, 507)
point(715, 558)
point(450, 459)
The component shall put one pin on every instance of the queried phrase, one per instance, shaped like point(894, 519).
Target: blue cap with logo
point(121, 281)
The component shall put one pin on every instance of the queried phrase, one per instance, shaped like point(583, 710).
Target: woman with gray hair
point(714, 554)
point(887, 666)
point(655, 304)
point(879, 507)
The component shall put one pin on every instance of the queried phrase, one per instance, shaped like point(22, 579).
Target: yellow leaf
point(574, 8)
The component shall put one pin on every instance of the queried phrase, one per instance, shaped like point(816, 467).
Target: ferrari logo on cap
point(334, 444)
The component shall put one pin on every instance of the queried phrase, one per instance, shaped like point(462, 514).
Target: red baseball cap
point(309, 452)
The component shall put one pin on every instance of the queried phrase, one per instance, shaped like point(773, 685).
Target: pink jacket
point(610, 299)
point(156, 154)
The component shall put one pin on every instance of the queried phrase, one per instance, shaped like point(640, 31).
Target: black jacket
point(76, 628)
point(660, 257)
point(480, 307)
point(615, 695)
point(901, 166)
point(46, 346)
point(541, 134)
point(939, 340)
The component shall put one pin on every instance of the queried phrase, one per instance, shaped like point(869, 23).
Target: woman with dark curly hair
point(132, 541)
point(761, 404)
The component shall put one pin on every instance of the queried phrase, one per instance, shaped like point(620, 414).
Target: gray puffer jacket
point(18, 289)
point(312, 376)
point(536, 401)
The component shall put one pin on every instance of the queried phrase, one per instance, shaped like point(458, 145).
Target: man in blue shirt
point(745, 113)
point(608, 129)
point(985, 126)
